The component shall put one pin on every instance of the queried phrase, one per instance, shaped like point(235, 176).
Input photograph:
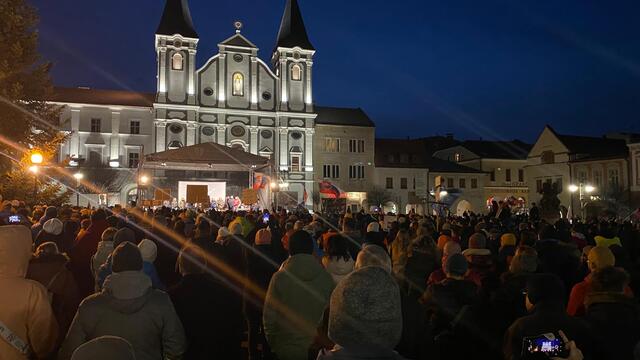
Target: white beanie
point(373, 227)
point(222, 233)
point(53, 226)
point(148, 250)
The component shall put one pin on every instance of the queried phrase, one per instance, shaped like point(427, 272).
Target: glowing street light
point(78, 176)
point(444, 193)
point(34, 169)
point(589, 189)
point(144, 179)
point(573, 188)
point(37, 158)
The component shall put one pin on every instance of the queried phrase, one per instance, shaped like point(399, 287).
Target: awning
point(206, 156)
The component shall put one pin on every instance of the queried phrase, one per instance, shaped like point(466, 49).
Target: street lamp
point(79, 176)
point(581, 189)
point(36, 160)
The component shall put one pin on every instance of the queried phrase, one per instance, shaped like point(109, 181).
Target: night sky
point(495, 69)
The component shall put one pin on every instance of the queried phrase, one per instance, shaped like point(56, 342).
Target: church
point(207, 132)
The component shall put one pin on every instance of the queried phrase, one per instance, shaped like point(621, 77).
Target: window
point(548, 157)
point(389, 183)
point(134, 127)
point(492, 175)
point(238, 131)
point(507, 175)
point(457, 157)
point(582, 176)
point(538, 185)
point(474, 183)
point(238, 84)
point(95, 157)
point(403, 183)
point(332, 145)
point(520, 175)
point(177, 62)
point(404, 158)
point(134, 159)
point(331, 171)
point(614, 179)
point(96, 125)
point(356, 172)
point(356, 146)
point(391, 158)
point(295, 163)
point(450, 183)
point(462, 183)
point(597, 177)
point(414, 183)
point(296, 72)
point(559, 184)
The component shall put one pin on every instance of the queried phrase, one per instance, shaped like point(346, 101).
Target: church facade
point(235, 99)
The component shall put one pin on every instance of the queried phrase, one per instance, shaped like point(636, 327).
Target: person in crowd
point(422, 259)
point(337, 260)
point(373, 255)
point(545, 303)
point(297, 296)
point(149, 252)
point(445, 299)
point(85, 246)
point(479, 258)
point(105, 348)
point(506, 251)
point(51, 232)
point(262, 263)
point(606, 236)
point(128, 307)
point(365, 318)
point(49, 267)
point(599, 257)
point(28, 323)
point(121, 236)
point(50, 213)
point(353, 236)
point(213, 319)
point(399, 252)
point(450, 248)
point(557, 257)
point(614, 315)
point(105, 248)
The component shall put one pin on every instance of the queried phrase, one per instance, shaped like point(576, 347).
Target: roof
point(176, 19)
point(416, 153)
point(292, 31)
point(592, 148)
point(238, 40)
point(515, 149)
point(209, 153)
point(102, 97)
point(342, 116)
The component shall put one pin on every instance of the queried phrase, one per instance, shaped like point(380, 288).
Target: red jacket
point(575, 307)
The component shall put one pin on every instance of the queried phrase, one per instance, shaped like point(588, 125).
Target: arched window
point(177, 62)
point(238, 84)
point(296, 72)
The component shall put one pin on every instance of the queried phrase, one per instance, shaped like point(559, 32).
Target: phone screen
point(14, 219)
point(265, 218)
point(546, 345)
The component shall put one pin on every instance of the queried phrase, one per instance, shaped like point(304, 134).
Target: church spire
point(292, 30)
point(176, 19)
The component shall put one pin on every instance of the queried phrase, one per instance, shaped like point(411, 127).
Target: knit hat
point(53, 226)
point(601, 257)
point(547, 288)
point(524, 263)
point(148, 250)
point(300, 242)
point(456, 265)
point(365, 310)
point(442, 240)
point(477, 246)
point(126, 257)
point(263, 237)
point(105, 348)
point(124, 235)
point(373, 255)
point(51, 212)
point(508, 239)
point(222, 233)
point(108, 234)
point(373, 227)
point(451, 248)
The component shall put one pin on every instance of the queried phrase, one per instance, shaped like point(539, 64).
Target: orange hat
point(442, 240)
point(508, 239)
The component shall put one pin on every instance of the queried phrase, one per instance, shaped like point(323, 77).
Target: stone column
point(308, 149)
point(254, 83)
point(309, 90)
point(221, 131)
point(115, 136)
point(74, 148)
point(162, 72)
point(161, 136)
point(222, 81)
point(284, 76)
point(191, 133)
point(284, 149)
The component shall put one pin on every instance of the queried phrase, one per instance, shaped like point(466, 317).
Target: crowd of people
point(117, 283)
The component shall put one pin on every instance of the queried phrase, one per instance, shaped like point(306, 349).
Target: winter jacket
point(422, 260)
point(53, 273)
point(579, 293)
point(338, 268)
point(85, 246)
point(262, 263)
point(546, 318)
point(445, 300)
point(211, 315)
point(105, 248)
point(129, 308)
point(148, 269)
point(24, 304)
point(295, 301)
point(615, 318)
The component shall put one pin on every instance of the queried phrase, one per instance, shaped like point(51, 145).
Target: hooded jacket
point(337, 267)
point(129, 308)
point(295, 301)
point(24, 305)
point(85, 246)
point(105, 248)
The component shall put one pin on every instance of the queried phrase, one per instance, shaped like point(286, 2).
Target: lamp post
point(143, 180)
point(36, 160)
point(79, 176)
point(581, 189)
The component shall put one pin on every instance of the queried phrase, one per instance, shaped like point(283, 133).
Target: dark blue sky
point(493, 69)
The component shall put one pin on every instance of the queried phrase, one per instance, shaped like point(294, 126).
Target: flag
point(328, 188)
point(260, 181)
point(305, 196)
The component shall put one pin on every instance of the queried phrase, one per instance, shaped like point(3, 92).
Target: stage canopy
point(206, 156)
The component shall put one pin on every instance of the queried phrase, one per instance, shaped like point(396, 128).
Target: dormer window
point(296, 72)
point(177, 62)
point(238, 84)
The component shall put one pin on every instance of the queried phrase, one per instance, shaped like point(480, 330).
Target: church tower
point(292, 61)
point(176, 46)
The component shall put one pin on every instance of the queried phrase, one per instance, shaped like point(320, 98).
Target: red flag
point(305, 196)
